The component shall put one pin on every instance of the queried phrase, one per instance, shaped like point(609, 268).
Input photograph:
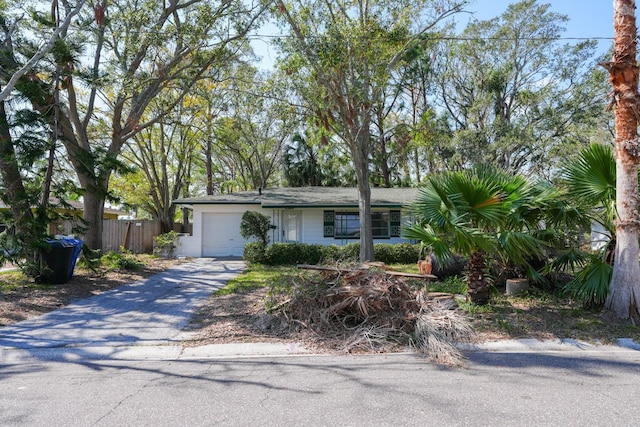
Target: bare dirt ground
point(237, 318)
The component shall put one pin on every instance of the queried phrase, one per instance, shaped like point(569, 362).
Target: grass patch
point(450, 285)
point(14, 280)
point(544, 315)
point(405, 268)
point(254, 277)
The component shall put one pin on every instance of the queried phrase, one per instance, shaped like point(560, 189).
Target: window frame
point(335, 222)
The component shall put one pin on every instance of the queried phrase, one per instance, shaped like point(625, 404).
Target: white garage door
point(221, 235)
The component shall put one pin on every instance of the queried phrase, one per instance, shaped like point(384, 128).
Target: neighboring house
point(321, 215)
point(74, 209)
point(600, 237)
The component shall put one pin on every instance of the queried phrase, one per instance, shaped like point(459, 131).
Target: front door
point(291, 226)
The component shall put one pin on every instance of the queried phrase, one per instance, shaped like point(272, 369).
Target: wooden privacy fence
point(134, 235)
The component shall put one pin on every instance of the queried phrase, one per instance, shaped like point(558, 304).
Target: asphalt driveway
point(152, 311)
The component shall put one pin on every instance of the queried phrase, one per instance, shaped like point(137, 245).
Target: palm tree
point(484, 212)
point(591, 182)
point(624, 296)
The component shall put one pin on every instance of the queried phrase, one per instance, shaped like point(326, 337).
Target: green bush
point(120, 261)
point(314, 254)
point(255, 224)
point(303, 253)
point(164, 245)
point(399, 253)
point(294, 253)
point(350, 251)
point(332, 253)
point(254, 252)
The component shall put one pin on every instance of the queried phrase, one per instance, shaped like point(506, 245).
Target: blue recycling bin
point(61, 259)
point(77, 248)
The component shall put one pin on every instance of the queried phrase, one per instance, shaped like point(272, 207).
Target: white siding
point(216, 230)
point(313, 229)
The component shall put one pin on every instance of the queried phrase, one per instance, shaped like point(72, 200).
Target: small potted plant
point(164, 245)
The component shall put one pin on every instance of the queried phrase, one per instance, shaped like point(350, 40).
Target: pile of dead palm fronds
point(360, 308)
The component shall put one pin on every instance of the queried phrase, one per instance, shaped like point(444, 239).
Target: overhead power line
point(455, 38)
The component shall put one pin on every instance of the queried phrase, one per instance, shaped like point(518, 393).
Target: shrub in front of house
point(293, 253)
point(398, 253)
point(254, 252)
point(332, 253)
point(303, 253)
point(164, 245)
point(350, 251)
point(255, 224)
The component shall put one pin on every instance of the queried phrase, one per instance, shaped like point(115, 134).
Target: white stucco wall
point(192, 245)
point(311, 230)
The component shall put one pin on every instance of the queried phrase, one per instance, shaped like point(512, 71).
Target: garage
point(221, 235)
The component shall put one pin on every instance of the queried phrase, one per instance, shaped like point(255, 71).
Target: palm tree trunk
point(477, 284)
point(624, 295)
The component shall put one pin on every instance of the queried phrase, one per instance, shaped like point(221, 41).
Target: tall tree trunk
point(209, 165)
point(93, 212)
point(360, 154)
point(624, 292)
point(12, 181)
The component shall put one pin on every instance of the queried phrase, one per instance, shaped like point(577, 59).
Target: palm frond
point(520, 247)
point(592, 177)
point(426, 235)
point(431, 208)
point(591, 285)
point(470, 239)
point(567, 260)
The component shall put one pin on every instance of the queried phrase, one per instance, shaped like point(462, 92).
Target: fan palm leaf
point(592, 177)
point(480, 211)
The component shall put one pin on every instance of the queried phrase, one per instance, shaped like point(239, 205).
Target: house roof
point(308, 197)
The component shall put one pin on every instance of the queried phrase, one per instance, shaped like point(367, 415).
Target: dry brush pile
point(365, 308)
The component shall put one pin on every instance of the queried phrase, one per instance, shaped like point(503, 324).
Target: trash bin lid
point(59, 243)
point(72, 242)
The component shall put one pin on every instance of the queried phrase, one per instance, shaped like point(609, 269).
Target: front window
point(347, 225)
point(380, 225)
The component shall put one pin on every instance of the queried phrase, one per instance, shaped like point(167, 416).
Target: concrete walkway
point(152, 311)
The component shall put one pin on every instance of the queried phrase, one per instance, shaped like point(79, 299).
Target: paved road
point(114, 360)
point(498, 389)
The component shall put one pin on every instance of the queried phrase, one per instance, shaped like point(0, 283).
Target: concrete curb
point(563, 345)
point(80, 354)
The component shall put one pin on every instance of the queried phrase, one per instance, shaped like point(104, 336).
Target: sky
point(587, 19)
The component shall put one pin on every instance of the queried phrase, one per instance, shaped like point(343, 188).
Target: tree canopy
point(142, 102)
